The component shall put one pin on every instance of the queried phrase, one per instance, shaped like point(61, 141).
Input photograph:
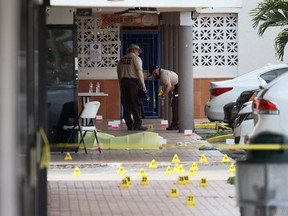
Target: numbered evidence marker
point(153, 164)
point(190, 200)
point(232, 168)
point(181, 180)
point(144, 181)
point(150, 127)
point(121, 170)
point(176, 167)
point(128, 180)
point(169, 170)
point(174, 192)
point(124, 183)
point(203, 158)
point(77, 171)
point(142, 172)
point(225, 159)
point(180, 169)
point(68, 156)
point(186, 179)
point(194, 166)
point(203, 182)
point(191, 172)
point(176, 159)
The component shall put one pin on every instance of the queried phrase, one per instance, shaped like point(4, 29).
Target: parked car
point(243, 124)
point(231, 109)
point(224, 92)
point(270, 108)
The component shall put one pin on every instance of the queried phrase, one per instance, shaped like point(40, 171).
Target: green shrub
point(231, 180)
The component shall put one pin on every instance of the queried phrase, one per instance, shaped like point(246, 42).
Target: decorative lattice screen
point(215, 46)
point(215, 40)
point(91, 31)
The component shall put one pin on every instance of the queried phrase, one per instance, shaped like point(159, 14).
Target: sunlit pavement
point(91, 184)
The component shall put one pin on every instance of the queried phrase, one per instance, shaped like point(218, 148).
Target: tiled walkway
point(97, 190)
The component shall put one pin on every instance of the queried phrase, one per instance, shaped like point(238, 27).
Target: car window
point(271, 75)
point(281, 71)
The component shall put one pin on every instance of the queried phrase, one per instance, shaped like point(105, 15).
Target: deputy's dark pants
point(175, 116)
point(130, 102)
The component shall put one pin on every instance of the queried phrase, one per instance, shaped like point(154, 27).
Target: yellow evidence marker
point(169, 170)
point(232, 168)
point(190, 200)
point(144, 181)
point(203, 182)
point(142, 172)
point(68, 157)
point(153, 164)
point(225, 159)
point(175, 159)
point(77, 171)
point(203, 159)
point(174, 192)
point(121, 170)
point(124, 183)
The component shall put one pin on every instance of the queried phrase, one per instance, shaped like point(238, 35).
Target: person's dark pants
point(130, 102)
point(175, 116)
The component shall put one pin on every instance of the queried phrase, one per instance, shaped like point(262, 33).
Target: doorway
point(149, 41)
point(61, 81)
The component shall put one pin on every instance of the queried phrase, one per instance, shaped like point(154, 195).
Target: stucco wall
point(253, 51)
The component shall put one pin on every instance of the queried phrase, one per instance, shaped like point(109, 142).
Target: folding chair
point(89, 113)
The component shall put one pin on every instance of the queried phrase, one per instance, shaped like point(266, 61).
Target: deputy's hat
point(134, 46)
point(152, 68)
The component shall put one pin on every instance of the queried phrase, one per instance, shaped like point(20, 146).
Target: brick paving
point(97, 190)
point(107, 198)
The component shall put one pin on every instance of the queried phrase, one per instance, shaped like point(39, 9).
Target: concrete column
point(9, 11)
point(165, 64)
point(171, 56)
point(169, 66)
point(186, 86)
point(175, 48)
point(162, 35)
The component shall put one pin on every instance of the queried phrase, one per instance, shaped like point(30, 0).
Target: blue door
point(149, 41)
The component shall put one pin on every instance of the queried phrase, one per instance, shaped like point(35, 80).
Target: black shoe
point(130, 128)
point(140, 128)
point(171, 127)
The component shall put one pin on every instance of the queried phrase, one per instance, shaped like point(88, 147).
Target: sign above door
point(130, 20)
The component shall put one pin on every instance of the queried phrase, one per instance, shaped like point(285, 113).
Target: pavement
point(96, 184)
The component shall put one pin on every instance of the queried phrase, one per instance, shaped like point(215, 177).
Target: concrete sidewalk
point(97, 190)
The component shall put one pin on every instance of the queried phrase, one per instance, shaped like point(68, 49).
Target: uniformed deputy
point(131, 80)
point(169, 83)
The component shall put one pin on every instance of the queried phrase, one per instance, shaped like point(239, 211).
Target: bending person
point(169, 83)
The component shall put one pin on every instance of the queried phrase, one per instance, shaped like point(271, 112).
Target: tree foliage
point(272, 13)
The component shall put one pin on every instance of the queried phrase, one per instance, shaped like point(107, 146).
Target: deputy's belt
point(126, 78)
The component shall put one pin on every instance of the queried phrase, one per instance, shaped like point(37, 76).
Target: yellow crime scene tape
point(187, 146)
point(254, 146)
point(45, 157)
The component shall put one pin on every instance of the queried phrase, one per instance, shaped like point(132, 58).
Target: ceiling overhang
point(160, 5)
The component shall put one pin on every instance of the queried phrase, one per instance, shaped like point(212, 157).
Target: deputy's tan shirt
point(130, 66)
point(167, 76)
